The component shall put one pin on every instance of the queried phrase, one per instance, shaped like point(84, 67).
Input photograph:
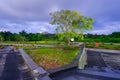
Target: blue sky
point(33, 15)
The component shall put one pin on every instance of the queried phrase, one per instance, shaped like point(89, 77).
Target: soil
point(48, 66)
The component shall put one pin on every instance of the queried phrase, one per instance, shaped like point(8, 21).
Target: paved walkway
point(95, 59)
point(100, 67)
point(104, 58)
point(12, 66)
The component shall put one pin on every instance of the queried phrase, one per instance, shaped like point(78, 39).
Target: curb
point(38, 72)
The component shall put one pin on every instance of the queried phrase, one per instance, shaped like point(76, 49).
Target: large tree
point(70, 24)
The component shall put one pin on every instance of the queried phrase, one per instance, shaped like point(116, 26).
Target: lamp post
point(72, 40)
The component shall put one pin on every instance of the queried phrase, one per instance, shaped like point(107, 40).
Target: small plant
point(103, 43)
point(69, 48)
point(111, 43)
point(1, 47)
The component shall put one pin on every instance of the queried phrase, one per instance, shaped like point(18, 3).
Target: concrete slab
point(70, 78)
point(44, 78)
point(12, 67)
point(37, 71)
point(102, 74)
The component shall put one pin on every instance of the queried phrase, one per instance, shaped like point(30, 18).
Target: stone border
point(34, 66)
point(104, 50)
point(38, 72)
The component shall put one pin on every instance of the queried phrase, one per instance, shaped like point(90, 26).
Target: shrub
point(1, 47)
point(69, 48)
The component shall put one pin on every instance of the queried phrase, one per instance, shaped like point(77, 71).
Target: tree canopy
point(70, 24)
point(8, 36)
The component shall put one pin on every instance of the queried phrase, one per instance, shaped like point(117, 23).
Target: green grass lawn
point(30, 42)
point(104, 46)
point(50, 58)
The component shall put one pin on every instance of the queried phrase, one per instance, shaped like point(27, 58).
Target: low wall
point(38, 72)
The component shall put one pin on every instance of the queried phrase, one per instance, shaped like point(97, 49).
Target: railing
point(83, 58)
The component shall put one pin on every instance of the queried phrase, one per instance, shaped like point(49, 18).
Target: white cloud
point(31, 27)
point(53, 8)
point(40, 27)
point(35, 14)
point(107, 28)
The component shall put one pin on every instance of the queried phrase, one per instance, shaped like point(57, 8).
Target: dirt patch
point(46, 65)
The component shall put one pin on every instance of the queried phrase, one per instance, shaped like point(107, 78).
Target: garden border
point(38, 72)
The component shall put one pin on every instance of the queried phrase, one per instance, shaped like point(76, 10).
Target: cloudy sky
point(33, 15)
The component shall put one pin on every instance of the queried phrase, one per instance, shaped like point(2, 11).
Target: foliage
point(18, 37)
point(70, 24)
point(22, 36)
point(104, 46)
point(111, 38)
point(69, 48)
point(8, 37)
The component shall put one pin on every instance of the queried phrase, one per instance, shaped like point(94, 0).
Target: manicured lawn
point(50, 58)
point(105, 46)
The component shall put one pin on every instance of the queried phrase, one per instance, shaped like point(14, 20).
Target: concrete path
point(104, 58)
point(95, 59)
point(12, 66)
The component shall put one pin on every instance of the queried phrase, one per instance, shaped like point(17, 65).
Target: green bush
point(69, 48)
point(1, 47)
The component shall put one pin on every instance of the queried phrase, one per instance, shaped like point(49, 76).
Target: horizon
point(33, 15)
point(55, 33)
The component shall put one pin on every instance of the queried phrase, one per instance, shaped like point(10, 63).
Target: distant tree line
point(24, 36)
point(111, 38)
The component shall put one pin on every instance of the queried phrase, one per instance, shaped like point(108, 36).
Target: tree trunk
point(68, 41)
